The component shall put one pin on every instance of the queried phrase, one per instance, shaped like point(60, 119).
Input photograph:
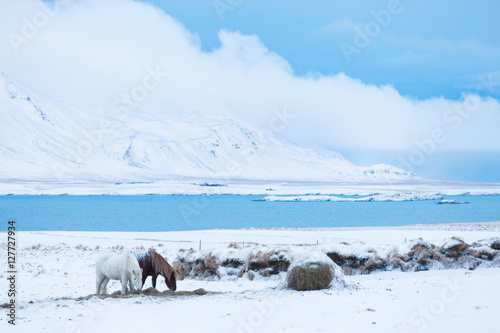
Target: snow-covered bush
point(261, 261)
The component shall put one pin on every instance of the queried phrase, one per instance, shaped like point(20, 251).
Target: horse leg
point(131, 286)
point(124, 281)
point(153, 277)
point(104, 286)
point(99, 282)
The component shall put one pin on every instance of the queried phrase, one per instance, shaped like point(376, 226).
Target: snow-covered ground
point(56, 268)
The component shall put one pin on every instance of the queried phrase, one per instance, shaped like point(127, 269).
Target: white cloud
point(93, 51)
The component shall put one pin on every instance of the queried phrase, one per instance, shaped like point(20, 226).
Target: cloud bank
point(90, 52)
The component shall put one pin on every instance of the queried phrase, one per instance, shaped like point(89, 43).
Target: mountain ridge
point(43, 139)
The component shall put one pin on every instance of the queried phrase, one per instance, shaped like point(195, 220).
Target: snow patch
point(373, 197)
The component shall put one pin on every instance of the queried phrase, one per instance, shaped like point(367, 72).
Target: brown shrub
point(482, 253)
point(265, 260)
point(206, 267)
point(259, 260)
point(495, 245)
point(266, 272)
point(456, 250)
point(346, 261)
point(469, 262)
point(397, 262)
point(242, 271)
point(373, 264)
point(348, 271)
point(182, 269)
point(234, 263)
point(211, 262)
point(310, 276)
point(422, 256)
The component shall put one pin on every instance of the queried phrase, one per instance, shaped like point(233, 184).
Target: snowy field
point(57, 273)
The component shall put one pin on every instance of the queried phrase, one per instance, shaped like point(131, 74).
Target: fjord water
point(195, 212)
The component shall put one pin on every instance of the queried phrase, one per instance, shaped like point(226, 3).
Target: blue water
point(174, 212)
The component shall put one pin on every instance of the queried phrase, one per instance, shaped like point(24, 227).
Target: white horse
point(123, 267)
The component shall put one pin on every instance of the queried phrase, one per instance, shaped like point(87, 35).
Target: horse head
point(171, 281)
point(161, 266)
point(136, 278)
point(135, 270)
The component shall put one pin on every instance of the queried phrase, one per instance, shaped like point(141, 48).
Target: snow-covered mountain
point(45, 140)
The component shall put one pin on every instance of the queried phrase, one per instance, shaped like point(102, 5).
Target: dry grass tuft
point(456, 250)
point(398, 261)
point(182, 269)
point(350, 263)
point(206, 267)
point(264, 260)
point(495, 245)
point(232, 262)
point(373, 264)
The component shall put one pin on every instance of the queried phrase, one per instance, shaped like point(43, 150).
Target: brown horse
point(153, 264)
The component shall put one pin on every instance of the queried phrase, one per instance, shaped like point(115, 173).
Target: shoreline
point(221, 238)
point(449, 226)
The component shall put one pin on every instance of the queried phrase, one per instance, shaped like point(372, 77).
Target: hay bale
point(312, 271)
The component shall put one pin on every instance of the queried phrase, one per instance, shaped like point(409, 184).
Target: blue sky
point(429, 48)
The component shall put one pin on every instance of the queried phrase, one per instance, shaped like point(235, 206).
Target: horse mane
point(131, 261)
point(161, 266)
